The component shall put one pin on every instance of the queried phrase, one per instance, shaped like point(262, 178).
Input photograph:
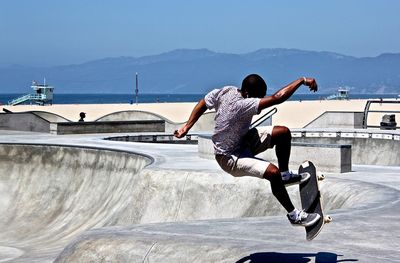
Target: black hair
point(254, 86)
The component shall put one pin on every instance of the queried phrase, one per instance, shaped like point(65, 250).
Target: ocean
point(154, 98)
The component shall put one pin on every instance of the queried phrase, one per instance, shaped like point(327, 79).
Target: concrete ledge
point(26, 121)
point(327, 157)
point(335, 158)
point(337, 119)
point(107, 127)
point(369, 146)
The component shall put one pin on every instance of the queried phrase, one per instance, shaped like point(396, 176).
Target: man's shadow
point(267, 257)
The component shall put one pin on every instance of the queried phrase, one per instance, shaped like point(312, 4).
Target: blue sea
point(153, 98)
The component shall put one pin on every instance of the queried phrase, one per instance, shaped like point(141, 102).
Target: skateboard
point(311, 199)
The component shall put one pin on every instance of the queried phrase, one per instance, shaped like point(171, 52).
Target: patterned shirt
point(233, 117)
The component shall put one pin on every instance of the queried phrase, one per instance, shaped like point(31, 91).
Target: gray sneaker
point(296, 178)
point(304, 219)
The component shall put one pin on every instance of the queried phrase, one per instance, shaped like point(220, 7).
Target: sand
point(293, 114)
point(177, 112)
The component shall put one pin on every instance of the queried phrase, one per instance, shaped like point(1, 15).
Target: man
point(236, 146)
point(82, 116)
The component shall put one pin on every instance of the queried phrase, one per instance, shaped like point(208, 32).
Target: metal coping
point(322, 145)
point(156, 138)
point(346, 134)
point(94, 123)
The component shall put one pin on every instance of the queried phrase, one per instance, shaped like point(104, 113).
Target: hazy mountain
point(200, 70)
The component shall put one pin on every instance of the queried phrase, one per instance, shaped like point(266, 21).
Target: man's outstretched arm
point(198, 110)
point(287, 91)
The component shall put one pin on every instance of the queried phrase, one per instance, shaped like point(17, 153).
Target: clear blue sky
point(57, 32)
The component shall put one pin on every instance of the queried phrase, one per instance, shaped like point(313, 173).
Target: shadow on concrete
point(266, 257)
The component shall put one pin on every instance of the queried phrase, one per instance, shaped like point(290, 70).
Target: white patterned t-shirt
point(233, 117)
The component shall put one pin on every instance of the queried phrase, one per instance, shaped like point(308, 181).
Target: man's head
point(253, 86)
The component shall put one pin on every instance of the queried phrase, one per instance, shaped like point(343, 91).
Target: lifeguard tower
point(43, 95)
point(341, 94)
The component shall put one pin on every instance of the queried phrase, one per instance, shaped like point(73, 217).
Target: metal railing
point(37, 97)
point(367, 110)
point(263, 118)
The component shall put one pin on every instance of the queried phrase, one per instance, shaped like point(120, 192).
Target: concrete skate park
point(69, 194)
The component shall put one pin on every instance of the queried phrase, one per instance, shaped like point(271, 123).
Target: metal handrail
point(368, 105)
point(27, 97)
point(18, 100)
point(263, 118)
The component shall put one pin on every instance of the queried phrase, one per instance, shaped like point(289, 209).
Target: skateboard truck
point(320, 176)
point(327, 219)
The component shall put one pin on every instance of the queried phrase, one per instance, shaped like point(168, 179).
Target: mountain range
point(200, 70)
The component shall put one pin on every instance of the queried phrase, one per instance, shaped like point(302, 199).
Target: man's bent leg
point(273, 175)
point(282, 140)
point(251, 166)
point(258, 139)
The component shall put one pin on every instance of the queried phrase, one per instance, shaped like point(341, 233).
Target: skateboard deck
point(311, 199)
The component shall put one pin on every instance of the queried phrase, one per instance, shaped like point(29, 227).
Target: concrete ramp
point(34, 121)
point(50, 117)
point(50, 196)
point(205, 123)
point(262, 239)
point(266, 239)
point(24, 121)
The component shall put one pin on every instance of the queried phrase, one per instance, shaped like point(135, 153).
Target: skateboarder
point(235, 145)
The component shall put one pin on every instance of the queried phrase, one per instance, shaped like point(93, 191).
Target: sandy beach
point(293, 114)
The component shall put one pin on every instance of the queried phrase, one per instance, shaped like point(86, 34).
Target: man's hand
point(198, 110)
point(311, 83)
point(181, 132)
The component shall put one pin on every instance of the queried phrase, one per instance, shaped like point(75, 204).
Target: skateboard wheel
point(320, 176)
point(327, 219)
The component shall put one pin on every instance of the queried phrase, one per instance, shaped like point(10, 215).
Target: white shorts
point(243, 162)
